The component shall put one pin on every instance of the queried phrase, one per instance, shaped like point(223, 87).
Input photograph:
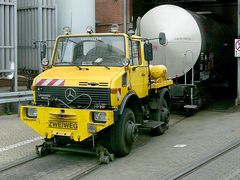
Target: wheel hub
point(165, 115)
point(131, 132)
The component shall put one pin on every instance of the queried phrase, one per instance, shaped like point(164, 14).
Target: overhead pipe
point(125, 16)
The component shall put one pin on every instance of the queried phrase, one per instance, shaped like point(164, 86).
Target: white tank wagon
point(76, 14)
point(192, 40)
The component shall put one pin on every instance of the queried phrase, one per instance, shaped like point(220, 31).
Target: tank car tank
point(196, 51)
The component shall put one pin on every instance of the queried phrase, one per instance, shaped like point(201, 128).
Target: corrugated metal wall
point(36, 23)
point(8, 39)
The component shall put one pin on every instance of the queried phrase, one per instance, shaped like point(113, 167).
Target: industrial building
point(26, 25)
point(184, 53)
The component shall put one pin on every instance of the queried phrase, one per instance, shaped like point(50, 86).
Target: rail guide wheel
point(43, 149)
point(48, 147)
point(104, 156)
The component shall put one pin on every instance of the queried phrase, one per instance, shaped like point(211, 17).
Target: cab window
point(134, 53)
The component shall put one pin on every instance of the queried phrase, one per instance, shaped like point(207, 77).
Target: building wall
point(110, 12)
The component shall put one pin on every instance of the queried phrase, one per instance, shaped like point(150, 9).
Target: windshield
point(90, 51)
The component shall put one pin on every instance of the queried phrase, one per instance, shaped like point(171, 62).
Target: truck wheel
point(160, 115)
point(124, 133)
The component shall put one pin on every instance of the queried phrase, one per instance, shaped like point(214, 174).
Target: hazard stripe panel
point(50, 82)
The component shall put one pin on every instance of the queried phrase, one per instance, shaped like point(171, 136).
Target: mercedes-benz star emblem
point(70, 94)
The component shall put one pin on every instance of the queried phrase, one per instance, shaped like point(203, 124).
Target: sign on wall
point(237, 47)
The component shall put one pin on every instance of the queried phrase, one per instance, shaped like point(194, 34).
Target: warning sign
point(237, 47)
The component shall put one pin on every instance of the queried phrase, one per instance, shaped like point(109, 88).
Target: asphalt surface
point(185, 143)
point(17, 140)
point(226, 167)
point(59, 165)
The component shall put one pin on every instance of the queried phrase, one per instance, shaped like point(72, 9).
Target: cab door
point(138, 71)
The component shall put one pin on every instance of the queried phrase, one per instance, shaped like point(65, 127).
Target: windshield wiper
point(81, 68)
point(98, 62)
point(105, 66)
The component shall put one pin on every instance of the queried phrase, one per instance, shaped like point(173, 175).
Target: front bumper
point(74, 123)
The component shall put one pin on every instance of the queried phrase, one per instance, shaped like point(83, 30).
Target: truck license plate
point(63, 125)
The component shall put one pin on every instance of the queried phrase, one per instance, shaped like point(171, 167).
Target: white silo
point(76, 14)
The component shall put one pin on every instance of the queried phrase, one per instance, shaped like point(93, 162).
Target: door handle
point(143, 74)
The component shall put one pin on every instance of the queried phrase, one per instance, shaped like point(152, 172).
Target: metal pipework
point(125, 16)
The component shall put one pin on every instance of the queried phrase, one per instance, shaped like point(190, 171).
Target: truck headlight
point(99, 117)
point(31, 112)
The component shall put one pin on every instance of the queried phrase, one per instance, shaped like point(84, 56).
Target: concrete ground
point(17, 140)
point(226, 167)
point(185, 143)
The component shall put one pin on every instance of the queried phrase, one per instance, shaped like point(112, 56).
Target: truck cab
point(99, 84)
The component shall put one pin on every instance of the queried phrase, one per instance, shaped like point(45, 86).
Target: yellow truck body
point(78, 101)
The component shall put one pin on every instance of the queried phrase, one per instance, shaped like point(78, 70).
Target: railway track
point(77, 175)
point(202, 163)
point(97, 166)
point(86, 172)
point(195, 166)
point(18, 163)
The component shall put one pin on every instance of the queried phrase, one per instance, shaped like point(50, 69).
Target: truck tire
point(160, 115)
point(124, 133)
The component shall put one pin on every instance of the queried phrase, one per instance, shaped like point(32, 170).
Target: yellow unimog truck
point(98, 88)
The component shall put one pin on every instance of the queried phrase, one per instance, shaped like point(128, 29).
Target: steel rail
point(86, 172)
point(202, 163)
point(17, 163)
point(96, 166)
point(77, 175)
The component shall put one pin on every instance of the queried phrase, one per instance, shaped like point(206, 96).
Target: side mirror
point(148, 53)
point(162, 38)
point(44, 51)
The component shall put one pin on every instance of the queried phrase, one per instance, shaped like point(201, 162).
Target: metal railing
point(10, 97)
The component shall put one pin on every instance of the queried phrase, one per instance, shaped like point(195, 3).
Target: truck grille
point(86, 97)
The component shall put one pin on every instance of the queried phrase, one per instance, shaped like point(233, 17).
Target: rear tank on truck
point(98, 89)
point(197, 52)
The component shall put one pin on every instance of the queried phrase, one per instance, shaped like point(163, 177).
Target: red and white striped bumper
point(50, 82)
